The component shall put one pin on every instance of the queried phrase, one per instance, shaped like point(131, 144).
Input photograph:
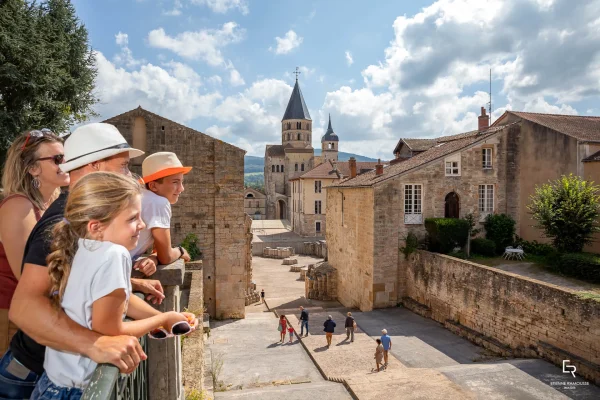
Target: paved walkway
point(429, 362)
point(250, 362)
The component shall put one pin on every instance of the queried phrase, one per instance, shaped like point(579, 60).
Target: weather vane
point(297, 72)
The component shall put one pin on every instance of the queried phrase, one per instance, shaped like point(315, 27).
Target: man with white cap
point(386, 341)
point(90, 148)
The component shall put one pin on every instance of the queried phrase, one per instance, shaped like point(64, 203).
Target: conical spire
point(330, 135)
point(296, 108)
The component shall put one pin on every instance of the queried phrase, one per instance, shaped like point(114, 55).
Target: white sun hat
point(94, 142)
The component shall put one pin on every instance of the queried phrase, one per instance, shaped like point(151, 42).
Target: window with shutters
point(317, 186)
point(317, 206)
point(413, 204)
point(486, 158)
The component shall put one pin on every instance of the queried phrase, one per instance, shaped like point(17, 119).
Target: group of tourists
point(66, 258)
point(384, 343)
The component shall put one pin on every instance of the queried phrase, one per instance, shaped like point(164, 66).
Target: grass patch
point(196, 394)
point(498, 260)
point(595, 296)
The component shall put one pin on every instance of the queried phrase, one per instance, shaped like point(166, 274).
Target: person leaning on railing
point(90, 148)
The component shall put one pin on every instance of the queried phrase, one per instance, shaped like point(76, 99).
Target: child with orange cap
point(162, 174)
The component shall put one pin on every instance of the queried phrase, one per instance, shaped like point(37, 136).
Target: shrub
point(458, 254)
point(500, 228)
point(535, 248)
point(566, 210)
point(584, 266)
point(412, 244)
point(446, 233)
point(190, 243)
point(483, 247)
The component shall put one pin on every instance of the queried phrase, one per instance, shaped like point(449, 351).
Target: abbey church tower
point(291, 158)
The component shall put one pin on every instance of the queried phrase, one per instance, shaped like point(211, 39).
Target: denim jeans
point(15, 387)
point(303, 324)
point(46, 390)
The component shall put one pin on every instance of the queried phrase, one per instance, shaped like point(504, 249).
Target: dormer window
point(452, 165)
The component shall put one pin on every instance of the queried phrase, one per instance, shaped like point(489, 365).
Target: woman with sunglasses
point(31, 180)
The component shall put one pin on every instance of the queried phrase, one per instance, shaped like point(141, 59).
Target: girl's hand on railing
point(173, 317)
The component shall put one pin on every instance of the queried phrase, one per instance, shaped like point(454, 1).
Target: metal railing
point(108, 383)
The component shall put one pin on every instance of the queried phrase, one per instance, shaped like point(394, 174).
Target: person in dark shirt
point(349, 325)
point(329, 328)
point(303, 321)
point(91, 148)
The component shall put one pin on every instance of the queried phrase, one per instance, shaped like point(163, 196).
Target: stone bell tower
point(329, 144)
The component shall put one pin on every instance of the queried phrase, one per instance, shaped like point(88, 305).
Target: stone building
point(291, 158)
point(212, 205)
point(492, 170)
point(255, 203)
point(309, 198)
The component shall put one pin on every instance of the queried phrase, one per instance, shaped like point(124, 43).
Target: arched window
point(282, 168)
point(296, 167)
point(250, 195)
point(302, 167)
point(298, 136)
point(278, 168)
point(333, 145)
point(298, 125)
point(272, 168)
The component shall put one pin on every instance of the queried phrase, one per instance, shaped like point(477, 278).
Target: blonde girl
point(90, 269)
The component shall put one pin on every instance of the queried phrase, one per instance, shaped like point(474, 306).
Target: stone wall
point(512, 314)
point(350, 239)
point(320, 282)
point(193, 346)
point(212, 205)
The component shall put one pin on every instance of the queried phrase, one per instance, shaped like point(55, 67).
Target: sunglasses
point(36, 134)
point(178, 329)
point(58, 159)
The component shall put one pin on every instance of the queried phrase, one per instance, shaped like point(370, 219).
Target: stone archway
point(282, 207)
point(452, 206)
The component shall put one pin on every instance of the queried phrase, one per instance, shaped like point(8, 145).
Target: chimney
point(484, 121)
point(352, 163)
point(379, 168)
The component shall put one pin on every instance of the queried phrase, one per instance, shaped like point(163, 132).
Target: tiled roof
point(593, 157)
point(326, 170)
point(419, 144)
point(457, 136)
point(580, 127)
point(296, 108)
point(440, 150)
point(275, 150)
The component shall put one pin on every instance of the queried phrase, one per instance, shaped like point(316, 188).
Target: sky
point(383, 69)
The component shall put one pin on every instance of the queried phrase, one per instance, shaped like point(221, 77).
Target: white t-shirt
point(98, 269)
point(156, 213)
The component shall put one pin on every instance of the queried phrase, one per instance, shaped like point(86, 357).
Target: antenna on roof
point(297, 72)
point(490, 103)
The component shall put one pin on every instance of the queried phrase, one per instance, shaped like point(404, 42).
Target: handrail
point(107, 383)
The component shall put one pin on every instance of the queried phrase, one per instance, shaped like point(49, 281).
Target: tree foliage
point(500, 228)
point(47, 68)
point(567, 210)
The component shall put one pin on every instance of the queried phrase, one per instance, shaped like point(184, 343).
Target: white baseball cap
point(94, 142)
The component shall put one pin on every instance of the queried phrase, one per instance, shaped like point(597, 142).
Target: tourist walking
point(262, 295)
point(350, 326)
point(303, 321)
point(90, 269)
point(378, 354)
point(31, 180)
point(329, 328)
point(282, 328)
point(291, 332)
point(90, 148)
point(386, 341)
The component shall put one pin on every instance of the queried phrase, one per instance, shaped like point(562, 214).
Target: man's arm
point(33, 313)
point(150, 287)
point(162, 243)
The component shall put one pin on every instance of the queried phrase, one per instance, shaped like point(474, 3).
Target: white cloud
point(349, 58)
point(289, 42)
point(222, 6)
point(215, 80)
point(176, 10)
point(125, 57)
point(203, 45)
point(122, 39)
point(235, 78)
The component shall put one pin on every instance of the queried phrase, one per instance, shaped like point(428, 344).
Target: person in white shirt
point(90, 269)
point(163, 177)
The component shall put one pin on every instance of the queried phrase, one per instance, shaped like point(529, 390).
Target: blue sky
point(384, 69)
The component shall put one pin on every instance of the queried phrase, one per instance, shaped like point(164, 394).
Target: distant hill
point(257, 164)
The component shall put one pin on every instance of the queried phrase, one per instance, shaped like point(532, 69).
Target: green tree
point(567, 210)
point(47, 68)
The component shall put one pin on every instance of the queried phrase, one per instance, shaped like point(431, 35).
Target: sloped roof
point(330, 135)
point(440, 150)
point(326, 170)
point(419, 144)
point(580, 127)
point(457, 136)
point(275, 150)
point(296, 108)
point(593, 157)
